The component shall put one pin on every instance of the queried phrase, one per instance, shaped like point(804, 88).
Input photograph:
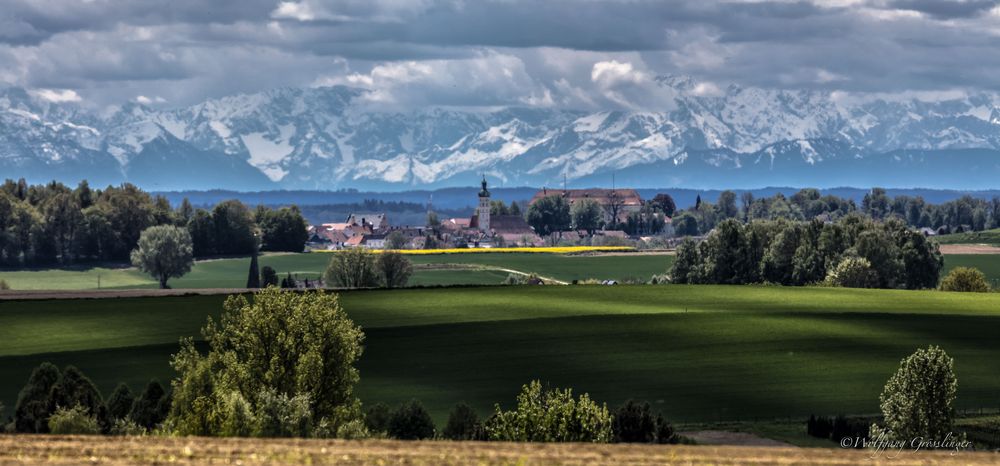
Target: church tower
point(483, 212)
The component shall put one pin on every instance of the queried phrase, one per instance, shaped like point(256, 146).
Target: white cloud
point(610, 73)
point(294, 10)
point(58, 95)
point(150, 100)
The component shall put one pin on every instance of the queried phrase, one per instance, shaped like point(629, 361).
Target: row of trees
point(553, 214)
point(801, 253)
point(54, 224)
point(962, 214)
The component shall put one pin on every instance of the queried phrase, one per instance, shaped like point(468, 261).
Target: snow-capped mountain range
point(329, 138)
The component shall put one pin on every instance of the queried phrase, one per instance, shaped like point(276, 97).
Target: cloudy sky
point(552, 53)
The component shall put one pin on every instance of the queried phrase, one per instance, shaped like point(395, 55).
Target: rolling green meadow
point(479, 269)
point(699, 353)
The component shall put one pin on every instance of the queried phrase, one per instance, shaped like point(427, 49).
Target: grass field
point(973, 237)
point(49, 449)
point(699, 353)
point(231, 273)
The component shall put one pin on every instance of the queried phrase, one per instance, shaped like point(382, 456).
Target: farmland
point(699, 353)
point(480, 269)
point(991, 237)
point(158, 450)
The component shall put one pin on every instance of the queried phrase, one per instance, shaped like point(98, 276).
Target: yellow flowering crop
point(543, 250)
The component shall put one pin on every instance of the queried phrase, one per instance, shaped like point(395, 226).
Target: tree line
point(54, 224)
point(853, 251)
point(966, 213)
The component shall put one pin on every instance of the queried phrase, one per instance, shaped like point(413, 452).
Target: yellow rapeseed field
point(542, 250)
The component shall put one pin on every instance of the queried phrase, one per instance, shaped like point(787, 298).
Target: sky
point(581, 54)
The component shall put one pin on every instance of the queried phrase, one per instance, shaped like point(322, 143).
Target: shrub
point(351, 430)
point(551, 416)
point(463, 423)
point(917, 399)
point(659, 279)
point(73, 421)
point(377, 418)
point(853, 272)
point(965, 279)
point(665, 432)
point(411, 422)
point(634, 423)
point(120, 402)
point(521, 279)
point(75, 389)
point(3, 285)
point(237, 415)
point(126, 427)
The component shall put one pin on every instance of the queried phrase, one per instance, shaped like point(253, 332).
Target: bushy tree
point(268, 277)
point(687, 264)
point(32, 411)
point(965, 279)
point(75, 389)
point(549, 214)
point(394, 268)
point(164, 252)
point(551, 416)
point(853, 272)
point(377, 418)
point(234, 228)
point(395, 240)
point(917, 400)
point(587, 215)
point(410, 421)
point(665, 203)
point(634, 423)
point(284, 229)
point(75, 420)
point(352, 268)
point(463, 423)
point(278, 346)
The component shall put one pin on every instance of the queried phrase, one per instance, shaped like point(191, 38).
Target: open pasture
point(699, 353)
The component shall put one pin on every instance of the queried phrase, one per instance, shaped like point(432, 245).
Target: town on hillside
point(551, 217)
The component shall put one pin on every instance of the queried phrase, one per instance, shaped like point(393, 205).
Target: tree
point(411, 422)
point(377, 418)
point(881, 251)
point(268, 277)
point(549, 215)
point(685, 225)
point(687, 264)
point(395, 240)
point(551, 416)
point(281, 344)
point(352, 268)
point(151, 407)
point(120, 402)
point(32, 411)
point(917, 400)
point(164, 252)
point(395, 269)
point(853, 272)
point(253, 275)
point(463, 423)
point(233, 228)
point(284, 229)
point(725, 207)
point(587, 215)
point(665, 203)
point(75, 420)
point(965, 279)
point(75, 389)
point(634, 423)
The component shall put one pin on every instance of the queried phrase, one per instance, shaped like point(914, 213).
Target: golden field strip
point(534, 250)
point(68, 450)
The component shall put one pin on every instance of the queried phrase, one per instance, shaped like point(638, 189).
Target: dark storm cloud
point(580, 53)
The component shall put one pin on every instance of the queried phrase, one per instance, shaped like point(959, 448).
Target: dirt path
point(143, 293)
point(969, 249)
point(721, 437)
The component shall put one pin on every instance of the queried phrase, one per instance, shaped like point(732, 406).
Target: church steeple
point(484, 192)
point(483, 212)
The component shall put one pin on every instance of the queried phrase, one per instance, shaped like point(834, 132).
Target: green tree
point(253, 275)
point(202, 230)
point(233, 228)
point(687, 264)
point(151, 406)
point(268, 277)
point(685, 224)
point(395, 240)
point(395, 269)
point(411, 422)
point(551, 416)
point(549, 214)
point(463, 423)
point(75, 389)
point(284, 229)
point(75, 420)
point(965, 279)
point(32, 411)
point(377, 418)
point(634, 423)
point(853, 272)
point(281, 344)
point(587, 215)
point(164, 252)
point(665, 203)
point(725, 207)
point(352, 268)
point(917, 400)
point(120, 402)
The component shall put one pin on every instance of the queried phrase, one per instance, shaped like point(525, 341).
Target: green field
point(991, 237)
point(232, 273)
point(699, 353)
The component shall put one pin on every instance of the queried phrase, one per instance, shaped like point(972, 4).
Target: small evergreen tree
point(32, 411)
point(377, 418)
point(149, 410)
point(268, 277)
point(463, 423)
point(120, 402)
point(253, 277)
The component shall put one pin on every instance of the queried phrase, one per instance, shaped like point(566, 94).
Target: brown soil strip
point(721, 437)
point(969, 249)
